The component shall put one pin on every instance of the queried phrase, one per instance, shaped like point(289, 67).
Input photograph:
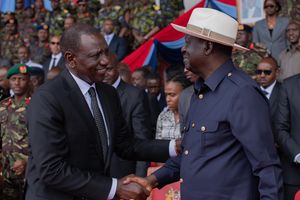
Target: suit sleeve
point(49, 148)
point(132, 148)
point(283, 125)
point(251, 125)
point(140, 117)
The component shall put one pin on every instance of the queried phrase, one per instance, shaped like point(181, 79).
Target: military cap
point(244, 27)
point(36, 71)
point(18, 69)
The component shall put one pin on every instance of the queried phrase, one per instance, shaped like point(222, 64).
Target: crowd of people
point(62, 57)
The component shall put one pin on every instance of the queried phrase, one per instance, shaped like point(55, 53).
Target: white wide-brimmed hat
point(212, 25)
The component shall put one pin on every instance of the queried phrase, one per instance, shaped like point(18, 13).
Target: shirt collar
point(117, 82)
point(215, 78)
point(83, 86)
point(57, 56)
point(269, 89)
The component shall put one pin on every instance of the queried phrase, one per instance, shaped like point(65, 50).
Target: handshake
point(133, 187)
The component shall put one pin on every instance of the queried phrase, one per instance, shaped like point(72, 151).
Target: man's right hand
point(131, 190)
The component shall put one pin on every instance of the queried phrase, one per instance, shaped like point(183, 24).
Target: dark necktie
point(99, 122)
point(53, 63)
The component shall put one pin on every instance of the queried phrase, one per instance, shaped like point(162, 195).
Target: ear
point(70, 58)
point(208, 48)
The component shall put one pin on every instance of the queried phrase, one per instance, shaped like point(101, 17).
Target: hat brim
point(196, 34)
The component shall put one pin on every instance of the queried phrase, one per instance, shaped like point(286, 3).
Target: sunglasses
point(53, 43)
point(266, 72)
point(269, 6)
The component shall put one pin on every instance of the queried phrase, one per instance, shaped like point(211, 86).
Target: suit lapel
point(121, 89)
point(274, 94)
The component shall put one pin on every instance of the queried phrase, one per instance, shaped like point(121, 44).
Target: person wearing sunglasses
point(270, 32)
point(56, 59)
point(267, 72)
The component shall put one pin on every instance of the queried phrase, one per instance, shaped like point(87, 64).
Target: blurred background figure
point(69, 22)
point(24, 57)
point(168, 126)
point(115, 44)
point(289, 59)
point(270, 31)
point(37, 77)
point(56, 58)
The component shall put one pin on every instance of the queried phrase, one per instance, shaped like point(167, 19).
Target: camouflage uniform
point(113, 12)
point(248, 60)
point(169, 10)
point(295, 11)
point(14, 135)
point(55, 21)
point(145, 19)
point(85, 18)
point(10, 45)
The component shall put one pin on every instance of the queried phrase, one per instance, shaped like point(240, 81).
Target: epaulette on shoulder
point(237, 77)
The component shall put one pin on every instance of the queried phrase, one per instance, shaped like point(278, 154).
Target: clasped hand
point(133, 187)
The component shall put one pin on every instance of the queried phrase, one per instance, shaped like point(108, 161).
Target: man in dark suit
point(228, 146)
point(135, 107)
point(56, 59)
point(266, 74)
point(115, 43)
point(75, 124)
point(287, 134)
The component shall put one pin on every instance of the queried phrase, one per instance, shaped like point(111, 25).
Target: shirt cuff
point(113, 189)
point(172, 149)
point(297, 158)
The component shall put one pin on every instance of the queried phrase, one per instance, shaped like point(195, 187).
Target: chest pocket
point(212, 134)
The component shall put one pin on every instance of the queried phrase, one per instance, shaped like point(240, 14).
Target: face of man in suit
point(111, 74)
point(267, 72)
point(55, 45)
point(108, 26)
point(90, 61)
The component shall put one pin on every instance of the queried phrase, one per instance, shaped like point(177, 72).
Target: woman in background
point(271, 31)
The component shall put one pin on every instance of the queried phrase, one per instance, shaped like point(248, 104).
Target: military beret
point(18, 69)
point(244, 27)
point(36, 71)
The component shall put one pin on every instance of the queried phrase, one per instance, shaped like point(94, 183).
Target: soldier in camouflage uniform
point(39, 11)
point(83, 15)
point(109, 10)
point(247, 60)
point(55, 19)
point(11, 40)
point(28, 28)
point(169, 10)
point(146, 19)
point(14, 133)
point(295, 12)
point(40, 51)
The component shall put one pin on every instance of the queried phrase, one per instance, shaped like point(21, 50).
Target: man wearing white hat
point(228, 147)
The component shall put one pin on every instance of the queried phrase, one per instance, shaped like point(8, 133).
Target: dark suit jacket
point(60, 64)
point(274, 99)
point(119, 47)
point(135, 109)
point(288, 128)
point(65, 158)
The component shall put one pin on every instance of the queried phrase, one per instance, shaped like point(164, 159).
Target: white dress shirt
point(108, 38)
point(84, 88)
point(269, 89)
point(30, 63)
point(57, 58)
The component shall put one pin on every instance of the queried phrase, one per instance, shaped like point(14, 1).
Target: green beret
point(18, 69)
